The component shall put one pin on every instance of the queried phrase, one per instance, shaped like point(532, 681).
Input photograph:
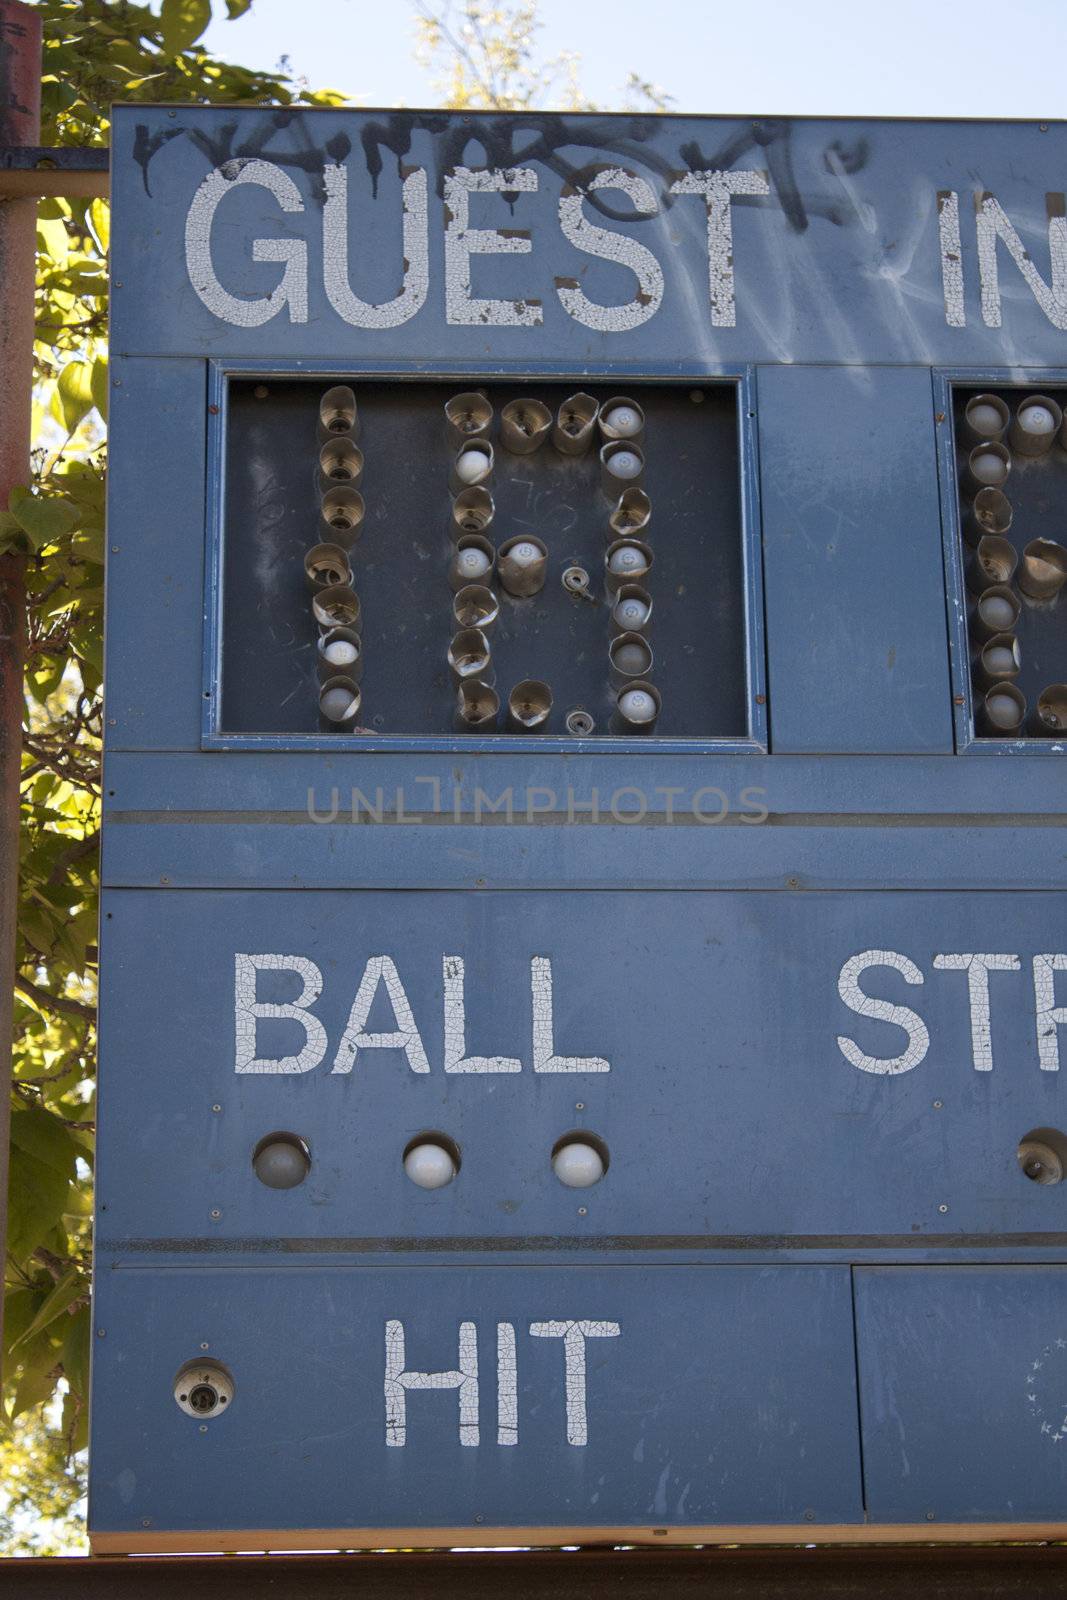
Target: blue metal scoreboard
point(583, 952)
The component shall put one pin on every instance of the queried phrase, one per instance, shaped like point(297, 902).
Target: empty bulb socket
point(469, 656)
point(476, 606)
point(575, 426)
point(992, 564)
point(1043, 569)
point(472, 511)
point(467, 416)
point(326, 566)
point(336, 607)
point(524, 426)
point(341, 461)
point(343, 510)
point(338, 413)
point(529, 706)
point(477, 706)
point(632, 514)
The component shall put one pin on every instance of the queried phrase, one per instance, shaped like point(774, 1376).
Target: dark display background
point(400, 562)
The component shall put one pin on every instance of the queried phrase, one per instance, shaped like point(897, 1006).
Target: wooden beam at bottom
point(1020, 1572)
point(166, 1541)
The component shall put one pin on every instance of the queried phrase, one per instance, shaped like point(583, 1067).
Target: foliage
point(95, 51)
point(486, 59)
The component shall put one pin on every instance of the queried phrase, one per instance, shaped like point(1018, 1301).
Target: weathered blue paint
point(680, 1430)
point(852, 549)
point(752, 1160)
point(961, 1378)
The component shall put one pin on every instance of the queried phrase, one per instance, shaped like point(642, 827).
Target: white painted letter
point(948, 229)
point(247, 1009)
point(293, 288)
point(610, 246)
point(463, 241)
point(398, 1381)
point(416, 271)
point(545, 1058)
point(507, 1385)
point(717, 188)
point(992, 224)
point(574, 1335)
point(380, 969)
point(853, 996)
point(978, 969)
point(456, 1057)
point(1050, 1016)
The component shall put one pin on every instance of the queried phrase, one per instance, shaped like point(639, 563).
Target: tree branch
point(60, 1003)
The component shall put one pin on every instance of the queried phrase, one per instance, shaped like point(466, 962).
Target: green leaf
point(67, 1290)
point(37, 1200)
point(98, 384)
point(42, 519)
point(183, 23)
point(75, 1352)
point(74, 393)
point(36, 1382)
point(99, 217)
point(20, 1308)
point(40, 1135)
point(53, 240)
point(236, 8)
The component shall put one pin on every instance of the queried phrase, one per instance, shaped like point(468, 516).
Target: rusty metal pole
point(20, 124)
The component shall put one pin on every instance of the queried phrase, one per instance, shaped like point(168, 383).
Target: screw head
point(203, 1427)
point(216, 1107)
point(215, 1213)
point(579, 1105)
point(101, 1333)
point(204, 1345)
point(583, 1211)
point(938, 1104)
point(942, 1209)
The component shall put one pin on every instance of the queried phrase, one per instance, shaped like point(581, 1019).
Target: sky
point(915, 58)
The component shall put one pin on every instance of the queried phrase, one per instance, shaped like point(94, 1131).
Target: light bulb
point(623, 421)
point(985, 419)
point(578, 1165)
point(997, 612)
point(631, 659)
point(524, 554)
point(637, 705)
point(341, 652)
point(631, 613)
point(624, 464)
point(472, 466)
point(1037, 419)
point(429, 1165)
point(627, 558)
point(1003, 710)
point(472, 563)
point(281, 1163)
point(987, 467)
point(337, 704)
point(999, 660)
